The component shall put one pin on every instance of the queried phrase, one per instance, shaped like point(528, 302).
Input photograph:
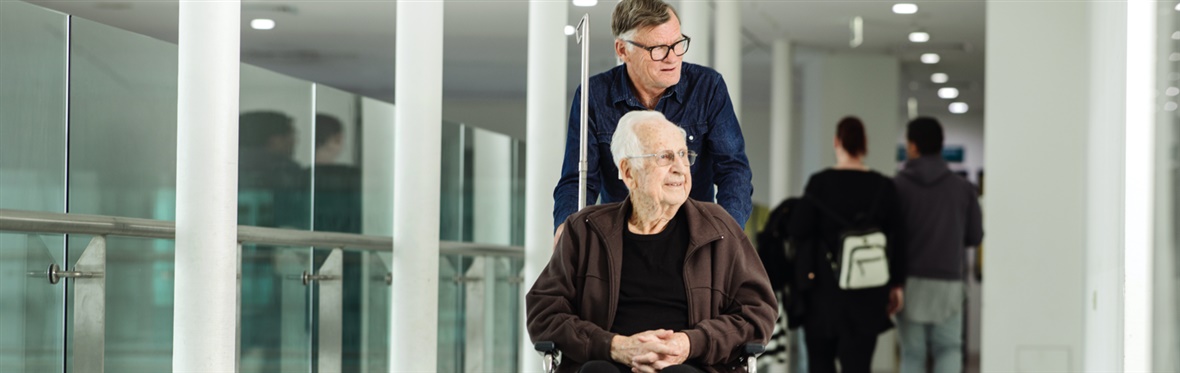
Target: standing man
point(941, 214)
point(653, 76)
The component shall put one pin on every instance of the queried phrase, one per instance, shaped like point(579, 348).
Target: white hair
point(626, 143)
point(629, 35)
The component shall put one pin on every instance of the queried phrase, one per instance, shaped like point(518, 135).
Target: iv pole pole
point(583, 164)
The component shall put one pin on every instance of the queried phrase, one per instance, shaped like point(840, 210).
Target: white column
point(728, 57)
point(205, 326)
point(780, 121)
point(413, 335)
point(1080, 315)
point(696, 21)
point(1140, 174)
point(546, 119)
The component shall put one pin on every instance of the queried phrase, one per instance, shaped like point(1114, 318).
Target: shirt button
point(690, 138)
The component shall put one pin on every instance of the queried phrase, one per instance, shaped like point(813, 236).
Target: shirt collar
point(622, 91)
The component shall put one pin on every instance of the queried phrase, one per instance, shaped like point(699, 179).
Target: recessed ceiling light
point(948, 92)
point(939, 78)
point(585, 2)
point(1172, 91)
point(1178, 6)
point(262, 24)
point(1170, 106)
point(1176, 35)
point(958, 107)
point(905, 8)
point(930, 58)
point(1174, 57)
point(919, 37)
point(570, 30)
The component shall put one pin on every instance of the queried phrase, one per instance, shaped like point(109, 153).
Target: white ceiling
point(350, 44)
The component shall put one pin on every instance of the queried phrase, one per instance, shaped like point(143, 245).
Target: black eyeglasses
point(660, 52)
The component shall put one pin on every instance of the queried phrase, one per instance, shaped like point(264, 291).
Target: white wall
point(1050, 267)
point(837, 85)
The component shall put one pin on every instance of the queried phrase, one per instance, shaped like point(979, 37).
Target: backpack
point(773, 247)
point(785, 261)
point(862, 260)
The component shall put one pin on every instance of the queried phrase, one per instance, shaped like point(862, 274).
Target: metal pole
point(583, 164)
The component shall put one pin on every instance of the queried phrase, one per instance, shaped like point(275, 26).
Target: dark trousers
point(603, 366)
point(854, 351)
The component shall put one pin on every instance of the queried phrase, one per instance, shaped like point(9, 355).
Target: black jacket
point(852, 194)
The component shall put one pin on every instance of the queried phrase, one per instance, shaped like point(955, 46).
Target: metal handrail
point(63, 223)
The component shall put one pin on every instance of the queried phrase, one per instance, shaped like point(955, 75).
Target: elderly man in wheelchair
point(658, 282)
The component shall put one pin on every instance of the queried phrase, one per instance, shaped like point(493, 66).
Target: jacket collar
point(702, 225)
point(621, 90)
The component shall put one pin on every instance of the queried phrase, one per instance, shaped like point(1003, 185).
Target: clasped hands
point(650, 351)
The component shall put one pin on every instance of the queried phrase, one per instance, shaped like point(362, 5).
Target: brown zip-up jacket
point(730, 301)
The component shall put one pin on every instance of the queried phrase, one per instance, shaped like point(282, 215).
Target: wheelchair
point(750, 352)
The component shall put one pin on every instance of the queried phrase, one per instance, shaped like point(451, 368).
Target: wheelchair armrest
point(753, 349)
point(545, 347)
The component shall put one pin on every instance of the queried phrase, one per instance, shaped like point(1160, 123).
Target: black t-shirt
point(651, 292)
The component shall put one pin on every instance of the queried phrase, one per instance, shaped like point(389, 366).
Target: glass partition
point(32, 177)
point(123, 163)
point(1166, 323)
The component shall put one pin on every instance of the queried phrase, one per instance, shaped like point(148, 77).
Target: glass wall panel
point(1166, 323)
point(123, 163)
point(33, 309)
point(374, 137)
point(33, 100)
point(32, 177)
point(140, 278)
point(275, 150)
point(276, 310)
point(455, 224)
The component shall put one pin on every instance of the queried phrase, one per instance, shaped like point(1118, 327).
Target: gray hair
point(633, 14)
point(626, 142)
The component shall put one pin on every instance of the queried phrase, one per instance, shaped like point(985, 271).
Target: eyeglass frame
point(689, 155)
point(671, 47)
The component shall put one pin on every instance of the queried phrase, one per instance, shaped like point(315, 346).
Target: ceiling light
point(262, 24)
point(1176, 35)
point(1174, 57)
point(919, 37)
point(1170, 106)
point(948, 92)
point(585, 2)
point(905, 8)
point(1172, 91)
point(570, 30)
point(958, 107)
point(939, 78)
point(1178, 6)
point(930, 58)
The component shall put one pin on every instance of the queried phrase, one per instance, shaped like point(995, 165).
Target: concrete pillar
point(546, 119)
point(206, 323)
point(728, 57)
point(780, 121)
point(696, 21)
point(413, 338)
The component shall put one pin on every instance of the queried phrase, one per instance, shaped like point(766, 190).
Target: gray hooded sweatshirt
point(942, 218)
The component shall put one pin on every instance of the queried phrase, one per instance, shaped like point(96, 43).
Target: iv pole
point(583, 165)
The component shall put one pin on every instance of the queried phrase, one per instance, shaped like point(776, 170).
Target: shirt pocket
point(696, 135)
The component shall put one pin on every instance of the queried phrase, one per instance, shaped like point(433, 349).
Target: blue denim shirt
point(699, 104)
